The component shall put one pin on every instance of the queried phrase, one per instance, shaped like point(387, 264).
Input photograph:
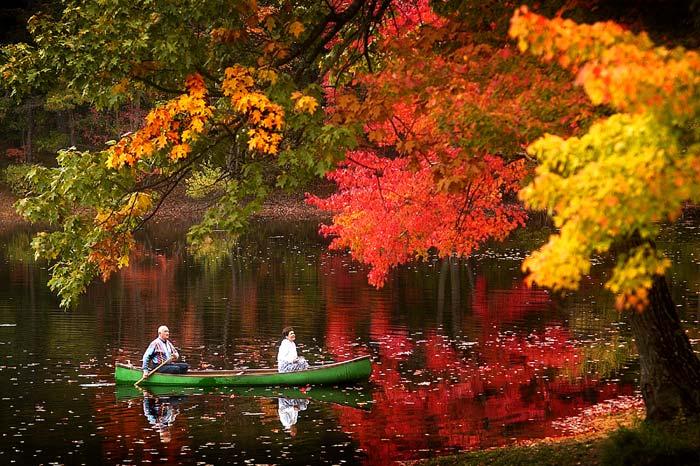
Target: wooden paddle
point(153, 371)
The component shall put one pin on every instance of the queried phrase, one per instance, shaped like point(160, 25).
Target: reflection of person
point(161, 349)
point(288, 409)
point(161, 413)
point(287, 358)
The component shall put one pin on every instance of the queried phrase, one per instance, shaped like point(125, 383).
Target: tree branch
point(162, 199)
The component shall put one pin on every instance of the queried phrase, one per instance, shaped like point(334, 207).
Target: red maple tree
point(444, 121)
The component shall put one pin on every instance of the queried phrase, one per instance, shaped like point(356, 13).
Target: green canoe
point(354, 370)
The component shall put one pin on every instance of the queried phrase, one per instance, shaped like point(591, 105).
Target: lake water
point(464, 355)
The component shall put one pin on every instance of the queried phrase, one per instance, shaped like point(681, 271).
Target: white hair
point(162, 328)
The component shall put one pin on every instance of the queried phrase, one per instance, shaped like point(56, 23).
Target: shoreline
point(181, 211)
point(8, 216)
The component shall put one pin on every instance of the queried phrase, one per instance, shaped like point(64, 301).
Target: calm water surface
point(464, 356)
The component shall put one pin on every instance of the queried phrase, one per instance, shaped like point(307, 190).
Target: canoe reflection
point(288, 409)
point(353, 396)
point(161, 412)
point(162, 407)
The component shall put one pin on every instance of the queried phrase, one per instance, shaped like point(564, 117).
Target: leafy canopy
point(233, 92)
point(445, 115)
point(629, 171)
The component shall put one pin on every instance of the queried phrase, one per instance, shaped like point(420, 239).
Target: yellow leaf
point(123, 261)
point(102, 216)
point(305, 104)
point(137, 204)
point(267, 75)
point(296, 28)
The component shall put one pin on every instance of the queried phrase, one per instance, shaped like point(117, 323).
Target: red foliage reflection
point(440, 395)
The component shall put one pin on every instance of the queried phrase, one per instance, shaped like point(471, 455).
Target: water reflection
point(288, 409)
point(228, 425)
point(464, 355)
point(352, 396)
point(161, 413)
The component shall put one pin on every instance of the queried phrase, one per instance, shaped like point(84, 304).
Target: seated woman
point(287, 359)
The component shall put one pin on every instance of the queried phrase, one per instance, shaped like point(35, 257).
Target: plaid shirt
point(157, 352)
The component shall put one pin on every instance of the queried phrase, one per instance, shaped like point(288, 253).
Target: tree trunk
point(670, 379)
point(71, 128)
point(28, 146)
point(455, 286)
point(442, 281)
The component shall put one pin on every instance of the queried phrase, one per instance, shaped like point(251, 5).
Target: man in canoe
point(287, 358)
point(161, 350)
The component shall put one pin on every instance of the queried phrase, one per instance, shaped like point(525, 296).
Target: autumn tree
point(444, 103)
point(446, 112)
point(609, 189)
point(234, 87)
